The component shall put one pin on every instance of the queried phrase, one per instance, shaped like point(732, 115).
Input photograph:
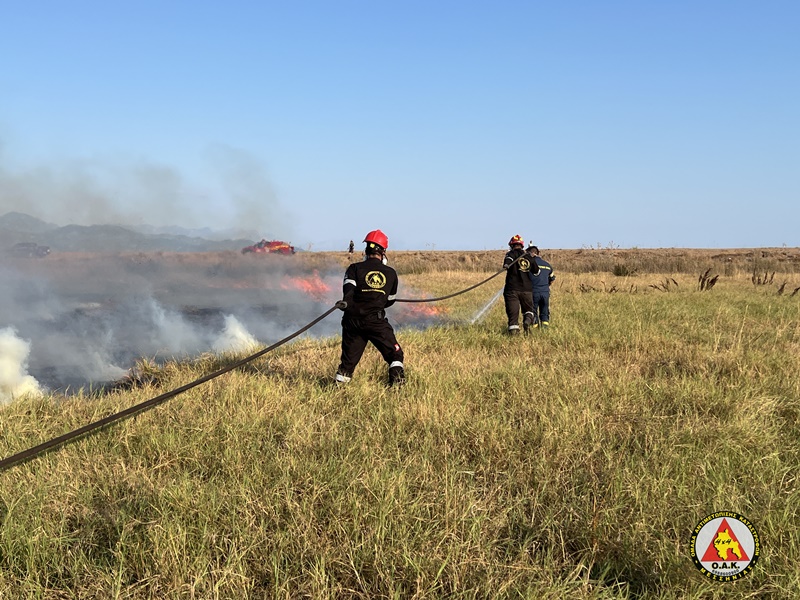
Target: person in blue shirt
point(541, 281)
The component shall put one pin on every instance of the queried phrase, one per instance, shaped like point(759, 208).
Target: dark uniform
point(541, 283)
point(517, 292)
point(369, 287)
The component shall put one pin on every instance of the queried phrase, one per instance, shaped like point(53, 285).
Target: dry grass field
point(570, 464)
point(204, 267)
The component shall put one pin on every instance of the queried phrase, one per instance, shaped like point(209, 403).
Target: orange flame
point(425, 310)
point(314, 286)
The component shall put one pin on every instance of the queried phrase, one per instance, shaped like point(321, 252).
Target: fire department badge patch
point(376, 280)
point(725, 546)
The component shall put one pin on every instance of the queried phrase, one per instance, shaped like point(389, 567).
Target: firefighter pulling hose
point(379, 277)
point(368, 289)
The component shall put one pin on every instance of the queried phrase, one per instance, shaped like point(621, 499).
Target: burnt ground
point(88, 318)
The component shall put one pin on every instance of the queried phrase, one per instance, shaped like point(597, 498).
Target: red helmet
point(378, 238)
point(517, 239)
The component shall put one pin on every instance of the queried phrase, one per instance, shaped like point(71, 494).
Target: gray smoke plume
point(85, 321)
point(236, 193)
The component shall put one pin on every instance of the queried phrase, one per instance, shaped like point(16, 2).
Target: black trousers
point(517, 300)
point(355, 335)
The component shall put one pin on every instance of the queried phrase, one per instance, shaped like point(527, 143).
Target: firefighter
point(541, 283)
point(369, 287)
point(517, 293)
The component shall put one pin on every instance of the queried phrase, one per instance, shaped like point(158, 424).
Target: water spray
point(489, 304)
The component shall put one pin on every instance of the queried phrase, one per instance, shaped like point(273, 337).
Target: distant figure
point(369, 287)
point(517, 291)
point(541, 283)
point(351, 248)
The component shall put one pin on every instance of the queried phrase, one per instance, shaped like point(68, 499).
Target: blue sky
point(449, 125)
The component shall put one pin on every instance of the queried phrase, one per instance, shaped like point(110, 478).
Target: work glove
point(341, 305)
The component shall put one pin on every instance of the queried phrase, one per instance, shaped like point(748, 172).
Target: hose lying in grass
point(148, 404)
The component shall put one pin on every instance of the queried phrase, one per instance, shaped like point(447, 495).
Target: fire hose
point(35, 451)
point(464, 291)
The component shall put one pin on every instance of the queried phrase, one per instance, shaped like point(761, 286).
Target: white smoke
point(14, 378)
point(97, 367)
point(169, 331)
point(234, 338)
point(89, 320)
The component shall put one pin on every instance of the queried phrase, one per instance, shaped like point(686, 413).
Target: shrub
point(623, 270)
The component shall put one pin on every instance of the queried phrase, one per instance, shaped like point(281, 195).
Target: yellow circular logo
point(725, 546)
point(376, 279)
point(524, 265)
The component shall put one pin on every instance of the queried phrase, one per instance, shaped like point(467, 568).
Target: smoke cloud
point(87, 320)
point(234, 338)
point(14, 379)
point(74, 322)
point(235, 193)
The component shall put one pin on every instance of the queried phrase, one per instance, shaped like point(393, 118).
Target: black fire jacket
point(369, 287)
point(517, 274)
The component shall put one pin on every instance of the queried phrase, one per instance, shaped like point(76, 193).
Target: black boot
point(529, 322)
point(397, 376)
